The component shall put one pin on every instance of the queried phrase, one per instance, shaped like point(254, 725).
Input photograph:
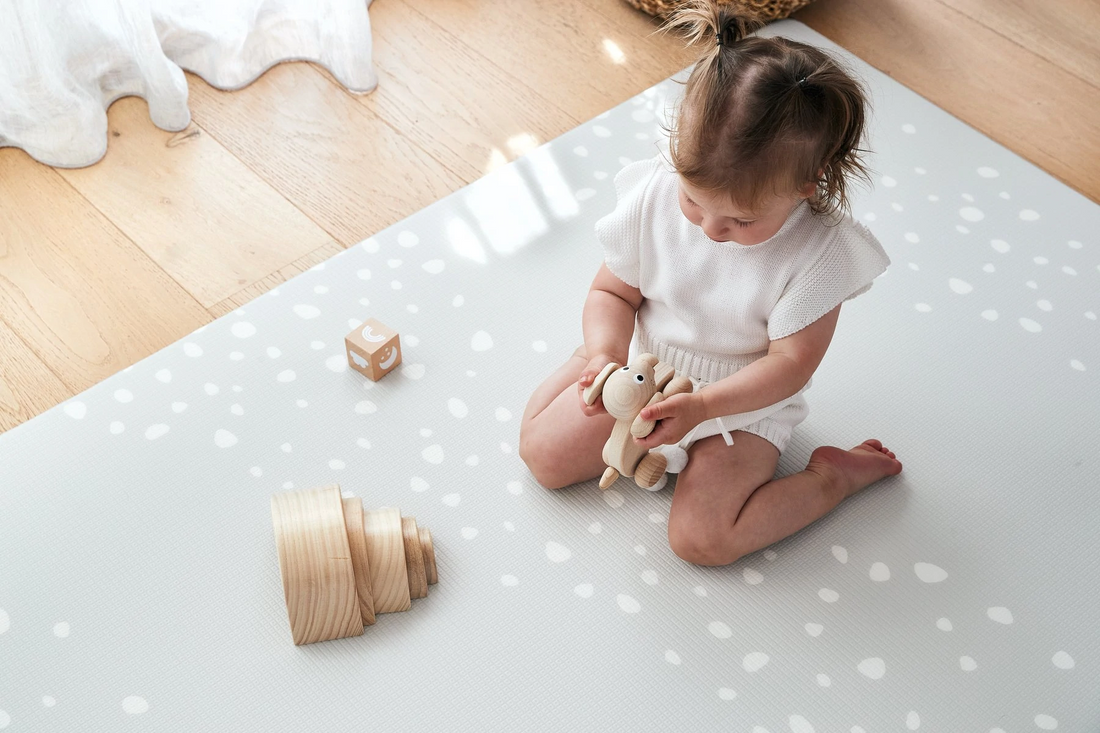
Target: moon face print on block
point(390, 355)
point(373, 349)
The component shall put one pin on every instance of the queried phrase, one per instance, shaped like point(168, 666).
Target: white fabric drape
point(63, 62)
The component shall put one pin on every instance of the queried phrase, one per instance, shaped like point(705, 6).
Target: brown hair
point(764, 115)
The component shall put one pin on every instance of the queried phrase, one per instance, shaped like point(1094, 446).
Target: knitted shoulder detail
point(849, 260)
point(620, 232)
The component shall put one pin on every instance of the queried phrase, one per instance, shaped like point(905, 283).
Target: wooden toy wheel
point(650, 470)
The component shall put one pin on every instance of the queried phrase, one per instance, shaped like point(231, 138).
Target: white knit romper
point(711, 308)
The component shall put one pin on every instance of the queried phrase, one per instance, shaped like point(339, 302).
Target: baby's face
point(723, 221)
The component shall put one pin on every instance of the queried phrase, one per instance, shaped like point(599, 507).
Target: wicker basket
point(767, 10)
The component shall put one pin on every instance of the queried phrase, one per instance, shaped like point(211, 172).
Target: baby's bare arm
point(608, 323)
point(790, 363)
point(608, 319)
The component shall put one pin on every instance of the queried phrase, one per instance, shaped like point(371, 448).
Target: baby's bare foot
point(857, 468)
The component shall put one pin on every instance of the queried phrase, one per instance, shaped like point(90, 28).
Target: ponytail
point(765, 114)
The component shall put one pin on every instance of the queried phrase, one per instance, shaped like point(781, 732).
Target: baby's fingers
point(596, 408)
point(658, 411)
point(654, 439)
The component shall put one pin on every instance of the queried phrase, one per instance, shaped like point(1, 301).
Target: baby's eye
point(639, 378)
point(742, 223)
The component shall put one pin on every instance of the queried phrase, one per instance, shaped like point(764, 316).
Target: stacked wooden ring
point(341, 565)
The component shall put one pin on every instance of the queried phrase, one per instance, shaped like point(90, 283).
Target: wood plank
point(1065, 33)
point(198, 212)
point(585, 60)
point(1010, 94)
point(464, 110)
point(27, 386)
point(83, 297)
point(330, 156)
point(258, 288)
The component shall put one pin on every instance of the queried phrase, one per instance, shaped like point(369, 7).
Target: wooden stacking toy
point(374, 349)
point(626, 391)
point(342, 565)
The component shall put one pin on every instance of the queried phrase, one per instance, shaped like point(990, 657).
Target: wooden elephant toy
point(626, 391)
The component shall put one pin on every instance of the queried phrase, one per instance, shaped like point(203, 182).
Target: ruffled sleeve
point(845, 267)
point(620, 232)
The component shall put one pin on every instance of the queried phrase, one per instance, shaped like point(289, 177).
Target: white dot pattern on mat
point(873, 668)
point(628, 604)
point(440, 439)
point(243, 329)
point(481, 341)
point(929, 573)
point(879, 572)
point(755, 661)
point(1062, 660)
point(721, 630)
point(156, 431)
point(799, 724)
point(557, 552)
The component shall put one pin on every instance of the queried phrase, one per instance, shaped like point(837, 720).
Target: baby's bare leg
point(559, 444)
point(727, 504)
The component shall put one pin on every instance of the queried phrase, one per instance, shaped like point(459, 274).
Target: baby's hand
point(588, 375)
point(676, 416)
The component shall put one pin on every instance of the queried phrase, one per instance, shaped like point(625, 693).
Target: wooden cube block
point(374, 349)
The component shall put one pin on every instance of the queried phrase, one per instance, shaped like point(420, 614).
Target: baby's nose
point(717, 232)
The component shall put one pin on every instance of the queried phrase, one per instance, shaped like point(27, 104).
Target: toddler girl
point(730, 265)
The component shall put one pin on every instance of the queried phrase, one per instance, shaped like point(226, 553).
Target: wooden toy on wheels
point(341, 565)
point(626, 391)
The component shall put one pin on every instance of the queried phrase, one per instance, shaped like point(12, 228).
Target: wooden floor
point(102, 266)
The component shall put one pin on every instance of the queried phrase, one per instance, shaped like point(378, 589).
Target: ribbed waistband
point(701, 368)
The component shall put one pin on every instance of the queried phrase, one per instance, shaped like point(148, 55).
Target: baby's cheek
point(690, 214)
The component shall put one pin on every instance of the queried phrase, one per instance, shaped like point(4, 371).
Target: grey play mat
point(139, 585)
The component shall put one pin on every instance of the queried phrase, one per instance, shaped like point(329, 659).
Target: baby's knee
point(702, 541)
point(542, 465)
